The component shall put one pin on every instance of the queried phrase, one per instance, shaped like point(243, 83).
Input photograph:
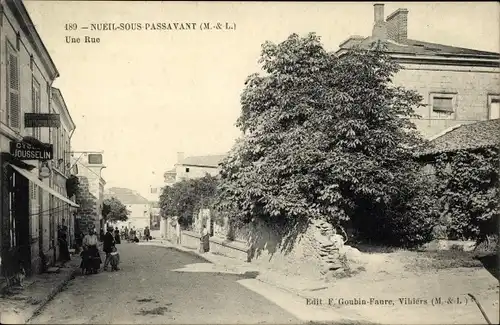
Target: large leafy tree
point(324, 137)
point(185, 198)
point(114, 210)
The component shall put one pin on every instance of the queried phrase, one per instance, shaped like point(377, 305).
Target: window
point(13, 96)
point(35, 101)
point(443, 106)
point(493, 107)
point(154, 190)
point(187, 169)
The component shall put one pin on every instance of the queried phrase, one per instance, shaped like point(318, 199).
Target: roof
point(204, 161)
point(57, 95)
point(171, 171)
point(126, 196)
point(465, 137)
point(415, 47)
point(21, 13)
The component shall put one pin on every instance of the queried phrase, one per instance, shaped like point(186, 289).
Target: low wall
point(190, 239)
point(310, 249)
point(234, 249)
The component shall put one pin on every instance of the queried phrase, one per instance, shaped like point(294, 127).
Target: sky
point(142, 96)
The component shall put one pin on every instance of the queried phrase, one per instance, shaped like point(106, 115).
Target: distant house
point(138, 206)
point(193, 167)
point(169, 177)
point(458, 85)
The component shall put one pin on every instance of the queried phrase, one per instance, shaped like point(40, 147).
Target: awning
point(31, 177)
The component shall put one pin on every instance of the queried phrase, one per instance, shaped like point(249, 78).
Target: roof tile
point(205, 161)
point(465, 137)
point(126, 196)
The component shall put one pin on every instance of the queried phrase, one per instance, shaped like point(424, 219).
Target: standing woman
point(64, 254)
point(117, 236)
point(91, 252)
point(204, 240)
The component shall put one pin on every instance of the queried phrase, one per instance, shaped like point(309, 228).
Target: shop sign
point(41, 120)
point(26, 151)
point(95, 159)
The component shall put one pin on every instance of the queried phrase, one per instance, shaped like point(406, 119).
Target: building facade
point(458, 85)
point(89, 166)
point(194, 167)
point(32, 202)
point(153, 197)
point(139, 208)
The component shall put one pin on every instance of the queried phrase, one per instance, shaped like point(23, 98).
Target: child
point(114, 259)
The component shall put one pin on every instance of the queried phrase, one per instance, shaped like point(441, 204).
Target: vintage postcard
point(224, 162)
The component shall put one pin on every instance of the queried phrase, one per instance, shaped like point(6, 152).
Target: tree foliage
point(114, 210)
point(468, 190)
point(185, 198)
point(324, 137)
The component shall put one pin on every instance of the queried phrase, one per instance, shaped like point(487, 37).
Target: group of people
point(133, 235)
point(91, 258)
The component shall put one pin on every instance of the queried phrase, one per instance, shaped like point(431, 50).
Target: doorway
point(19, 221)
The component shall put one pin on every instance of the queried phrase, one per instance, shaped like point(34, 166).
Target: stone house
point(89, 166)
point(196, 166)
point(31, 202)
point(458, 85)
point(189, 168)
point(139, 207)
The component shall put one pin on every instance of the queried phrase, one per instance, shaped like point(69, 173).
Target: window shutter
point(33, 104)
point(34, 211)
point(494, 109)
point(443, 104)
point(38, 130)
point(14, 105)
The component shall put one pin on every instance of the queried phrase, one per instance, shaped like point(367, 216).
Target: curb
point(177, 248)
point(70, 276)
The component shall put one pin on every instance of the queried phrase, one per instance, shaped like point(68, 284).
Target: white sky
point(142, 96)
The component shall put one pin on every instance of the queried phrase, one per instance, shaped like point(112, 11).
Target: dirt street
point(158, 285)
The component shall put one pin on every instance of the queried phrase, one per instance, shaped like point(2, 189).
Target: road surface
point(158, 285)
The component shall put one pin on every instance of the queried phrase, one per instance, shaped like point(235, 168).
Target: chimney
point(397, 26)
point(180, 157)
point(379, 26)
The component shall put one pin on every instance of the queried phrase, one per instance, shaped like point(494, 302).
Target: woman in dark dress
point(117, 236)
point(91, 259)
point(64, 254)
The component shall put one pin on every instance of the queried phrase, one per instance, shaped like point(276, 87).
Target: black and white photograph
point(249, 162)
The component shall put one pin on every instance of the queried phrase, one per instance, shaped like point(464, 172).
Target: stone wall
point(470, 87)
point(310, 249)
point(86, 213)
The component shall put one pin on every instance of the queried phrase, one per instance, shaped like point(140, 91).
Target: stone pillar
point(178, 232)
point(163, 228)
